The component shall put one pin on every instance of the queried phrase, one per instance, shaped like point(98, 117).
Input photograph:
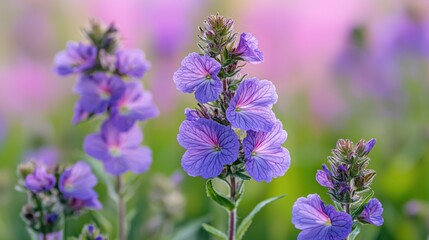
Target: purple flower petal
point(135, 104)
point(250, 108)
point(78, 181)
point(40, 180)
point(323, 177)
point(248, 50)
point(132, 63)
point(265, 157)
point(372, 213)
point(369, 145)
point(119, 151)
point(51, 236)
point(199, 74)
point(191, 114)
point(77, 57)
point(319, 222)
point(136, 160)
point(98, 91)
point(209, 145)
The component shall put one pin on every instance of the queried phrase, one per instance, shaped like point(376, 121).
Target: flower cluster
point(233, 130)
point(91, 232)
point(348, 181)
point(108, 83)
point(55, 192)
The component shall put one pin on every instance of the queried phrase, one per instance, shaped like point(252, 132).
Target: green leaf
point(219, 199)
point(215, 232)
point(359, 209)
point(244, 225)
point(354, 233)
point(189, 231)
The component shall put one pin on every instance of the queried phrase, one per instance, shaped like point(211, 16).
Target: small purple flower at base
point(78, 181)
point(119, 151)
point(135, 104)
point(77, 57)
point(199, 74)
point(320, 222)
point(368, 146)
point(372, 213)
point(132, 63)
point(98, 91)
point(92, 203)
point(323, 177)
point(265, 157)
point(40, 180)
point(191, 114)
point(248, 50)
point(209, 146)
point(250, 108)
point(51, 236)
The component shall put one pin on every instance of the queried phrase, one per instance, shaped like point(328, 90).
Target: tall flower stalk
point(232, 134)
point(108, 84)
point(348, 182)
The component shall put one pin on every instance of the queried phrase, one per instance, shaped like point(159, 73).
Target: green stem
point(232, 216)
point(42, 215)
point(121, 210)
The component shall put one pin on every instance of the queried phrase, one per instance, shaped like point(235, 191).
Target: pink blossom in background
point(28, 87)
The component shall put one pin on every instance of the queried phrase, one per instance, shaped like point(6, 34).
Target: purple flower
point(51, 236)
point(119, 151)
point(209, 146)
point(323, 177)
point(319, 222)
point(78, 181)
point(77, 57)
point(80, 114)
point(199, 74)
point(132, 63)
point(98, 91)
point(90, 203)
point(265, 156)
point(135, 104)
point(372, 212)
point(250, 108)
point(368, 146)
point(191, 114)
point(40, 180)
point(248, 50)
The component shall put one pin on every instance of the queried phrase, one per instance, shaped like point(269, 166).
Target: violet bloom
point(369, 146)
point(372, 212)
point(77, 57)
point(78, 181)
point(132, 63)
point(98, 91)
point(265, 157)
point(199, 74)
point(320, 222)
point(135, 104)
point(250, 108)
point(40, 180)
point(209, 146)
point(119, 151)
point(80, 114)
point(324, 177)
point(191, 114)
point(51, 236)
point(90, 203)
point(248, 50)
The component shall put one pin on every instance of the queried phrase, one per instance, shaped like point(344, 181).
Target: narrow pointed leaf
point(215, 232)
point(219, 199)
point(244, 225)
point(354, 233)
point(359, 209)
